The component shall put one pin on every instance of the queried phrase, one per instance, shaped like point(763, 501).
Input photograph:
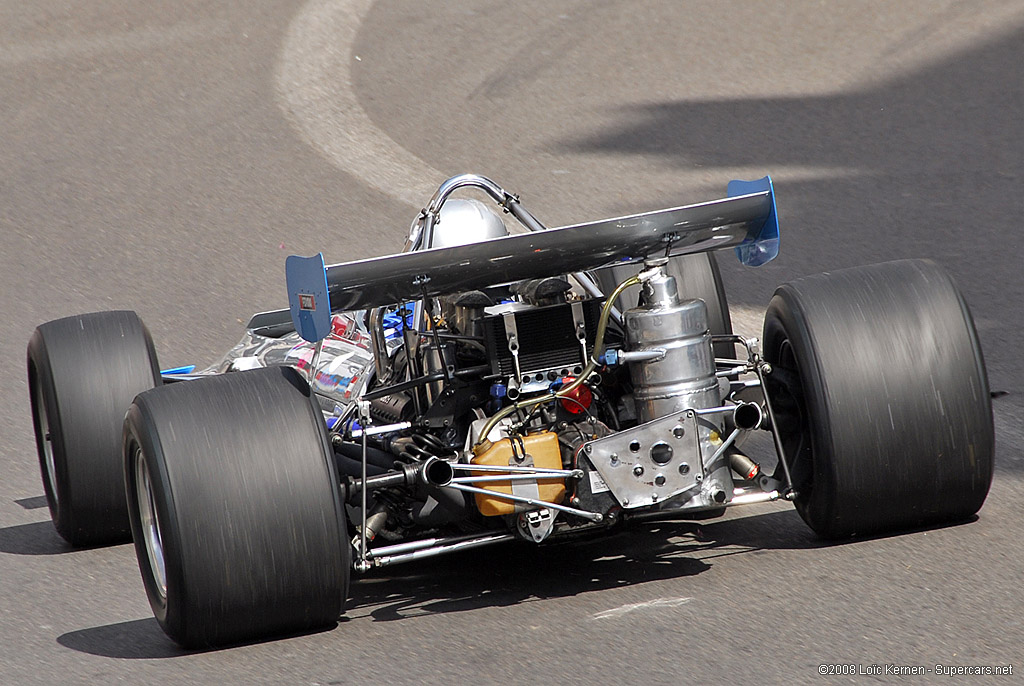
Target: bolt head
point(638, 470)
point(684, 469)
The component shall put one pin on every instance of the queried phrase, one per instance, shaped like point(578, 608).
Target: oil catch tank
point(670, 357)
point(539, 450)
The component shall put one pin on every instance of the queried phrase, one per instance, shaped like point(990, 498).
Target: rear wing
point(746, 221)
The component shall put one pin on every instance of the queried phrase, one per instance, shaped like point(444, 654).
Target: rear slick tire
point(881, 398)
point(83, 372)
point(235, 508)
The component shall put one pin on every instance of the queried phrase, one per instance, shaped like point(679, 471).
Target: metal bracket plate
point(652, 462)
point(537, 524)
point(512, 337)
point(580, 325)
point(524, 489)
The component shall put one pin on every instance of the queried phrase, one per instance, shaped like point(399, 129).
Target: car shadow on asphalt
point(135, 639)
point(37, 538)
point(41, 538)
point(143, 639)
point(502, 575)
point(518, 572)
point(514, 573)
point(35, 503)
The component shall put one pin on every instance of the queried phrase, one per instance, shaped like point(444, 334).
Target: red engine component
point(579, 399)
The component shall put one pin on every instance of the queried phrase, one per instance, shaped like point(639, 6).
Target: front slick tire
point(235, 508)
point(881, 398)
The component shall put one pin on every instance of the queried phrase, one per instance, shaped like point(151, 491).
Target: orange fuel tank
point(537, 450)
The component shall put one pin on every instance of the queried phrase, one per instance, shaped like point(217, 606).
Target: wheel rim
point(46, 441)
point(150, 523)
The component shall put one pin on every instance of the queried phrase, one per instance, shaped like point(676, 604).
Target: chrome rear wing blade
point(745, 221)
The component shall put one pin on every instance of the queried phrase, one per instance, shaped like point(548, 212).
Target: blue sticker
point(762, 247)
point(308, 298)
point(397, 321)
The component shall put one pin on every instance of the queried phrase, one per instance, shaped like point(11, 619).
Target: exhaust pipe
point(747, 416)
point(436, 472)
point(433, 472)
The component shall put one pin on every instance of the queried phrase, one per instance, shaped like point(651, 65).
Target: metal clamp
point(512, 338)
point(592, 516)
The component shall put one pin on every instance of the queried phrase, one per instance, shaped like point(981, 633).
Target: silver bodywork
point(466, 220)
point(338, 370)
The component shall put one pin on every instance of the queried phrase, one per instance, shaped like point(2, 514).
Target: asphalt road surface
point(167, 156)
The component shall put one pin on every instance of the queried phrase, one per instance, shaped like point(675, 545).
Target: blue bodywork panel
point(187, 369)
point(307, 296)
point(754, 252)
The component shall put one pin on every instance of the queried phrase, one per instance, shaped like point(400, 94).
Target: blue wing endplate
point(764, 247)
point(307, 296)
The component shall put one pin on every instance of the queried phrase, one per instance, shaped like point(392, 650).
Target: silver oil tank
point(684, 377)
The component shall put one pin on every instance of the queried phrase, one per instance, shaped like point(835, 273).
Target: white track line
point(314, 86)
point(646, 605)
point(315, 90)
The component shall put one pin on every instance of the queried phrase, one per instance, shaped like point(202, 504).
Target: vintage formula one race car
point(485, 386)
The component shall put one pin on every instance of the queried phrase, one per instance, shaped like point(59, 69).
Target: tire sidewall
point(40, 378)
point(785, 321)
point(137, 435)
point(85, 370)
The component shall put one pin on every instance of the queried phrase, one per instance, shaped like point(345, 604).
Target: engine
point(551, 410)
